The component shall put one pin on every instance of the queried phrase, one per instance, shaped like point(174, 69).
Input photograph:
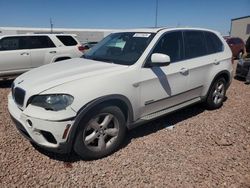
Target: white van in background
point(20, 53)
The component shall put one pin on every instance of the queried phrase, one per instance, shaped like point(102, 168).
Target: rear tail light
point(232, 59)
point(81, 48)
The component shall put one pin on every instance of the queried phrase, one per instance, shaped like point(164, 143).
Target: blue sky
point(116, 14)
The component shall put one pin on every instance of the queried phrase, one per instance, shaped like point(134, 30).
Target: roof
point(142, 30)
point(155, 30)
point(240, 18)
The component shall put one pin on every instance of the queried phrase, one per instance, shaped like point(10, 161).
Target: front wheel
point(101, 133)
point(216, 95)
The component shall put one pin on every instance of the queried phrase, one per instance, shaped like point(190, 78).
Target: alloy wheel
point(219, 92)
point(101, 132)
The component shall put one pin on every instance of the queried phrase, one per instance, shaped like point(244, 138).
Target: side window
point(238, 41)
point(230, 41)
point(14, 43)
point(171, 44)
point(67, 40)
point(194, 44)
point(234, 41)
point(214, 44)
point(41, 42)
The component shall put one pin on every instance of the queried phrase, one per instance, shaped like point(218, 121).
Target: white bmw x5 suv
point(87, 104)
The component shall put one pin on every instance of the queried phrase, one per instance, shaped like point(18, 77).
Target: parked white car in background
point(20, 53)
point(128, 78)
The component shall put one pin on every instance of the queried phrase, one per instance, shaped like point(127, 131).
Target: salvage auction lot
point(204, 149)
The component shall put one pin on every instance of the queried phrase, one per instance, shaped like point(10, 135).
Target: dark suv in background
point(243, 65)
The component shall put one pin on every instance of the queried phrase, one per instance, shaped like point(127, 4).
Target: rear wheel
point(101, 133)
point(216, 95)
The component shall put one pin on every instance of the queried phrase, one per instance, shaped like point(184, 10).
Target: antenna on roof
point(51, 25)
point(156, 13)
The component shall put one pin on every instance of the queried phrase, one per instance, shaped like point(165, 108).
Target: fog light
point(48, 136)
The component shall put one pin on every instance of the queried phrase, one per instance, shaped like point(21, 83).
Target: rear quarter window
point(67, 40)
point(213, 43)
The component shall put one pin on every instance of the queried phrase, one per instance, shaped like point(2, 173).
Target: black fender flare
point(219, 74)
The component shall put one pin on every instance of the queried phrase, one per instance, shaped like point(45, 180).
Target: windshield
point(120, 48)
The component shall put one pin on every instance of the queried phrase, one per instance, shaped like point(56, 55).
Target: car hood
point(49, 76)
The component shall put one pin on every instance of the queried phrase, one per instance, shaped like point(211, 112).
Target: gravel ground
point(190, 148)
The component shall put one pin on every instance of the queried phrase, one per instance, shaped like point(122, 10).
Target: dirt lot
point(204, 149)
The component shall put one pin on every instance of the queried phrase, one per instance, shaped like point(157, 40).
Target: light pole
point(156, 13)
point(51, 26)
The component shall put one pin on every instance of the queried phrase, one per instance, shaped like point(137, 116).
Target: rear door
point(202, 55)
point(14, 54)
point(42, 50)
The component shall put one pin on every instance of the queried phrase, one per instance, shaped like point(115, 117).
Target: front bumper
point(44, 133)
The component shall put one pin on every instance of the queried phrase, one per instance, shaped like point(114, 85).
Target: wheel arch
point(118, 100)
point(222, 74)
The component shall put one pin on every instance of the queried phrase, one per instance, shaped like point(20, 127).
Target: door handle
point(24, 53)
point(216, 62)
point(52, 52)
point(184, 71)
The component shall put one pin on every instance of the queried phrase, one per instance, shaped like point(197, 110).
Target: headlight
point(54, 102)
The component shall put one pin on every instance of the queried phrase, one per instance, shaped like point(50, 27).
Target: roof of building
point(240, 18)
point(54, 29)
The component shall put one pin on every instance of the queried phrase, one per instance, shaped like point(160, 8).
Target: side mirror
point(158, 59)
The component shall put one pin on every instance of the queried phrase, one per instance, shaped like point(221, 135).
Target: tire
point(216, 94)
point(101, 133)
